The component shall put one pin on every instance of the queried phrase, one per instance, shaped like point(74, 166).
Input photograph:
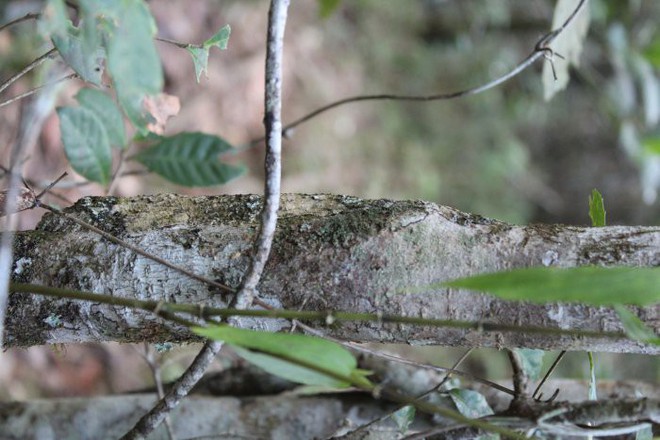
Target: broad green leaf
point(106, 111)
point(532, 361)
point(54, 19)
point(404, 417)
point(84, 57)
point(596, 209)
point(133, 61)
point(85, 143)
point(599, 286)
point(190, 159)
point(470, 403)
point(327, 7)
point(85, 61)
point(634, 327)
point(309, 351)
point(288, 370)
point(568, 44)
point(200, 55)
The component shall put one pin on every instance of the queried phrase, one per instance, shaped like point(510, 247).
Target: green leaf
point(599, 286)
point(85, 143)
point(596, 209)
point(133, 60)
point(532, 361)
point(107, 112)
point(83, 55)
point(220, 39)
point(593, 395)
point(54, 19)
point(85, 61)
point(190, 159)
point(327, 7)
point(470, 403)
point(652, 52)
point(200, 55)
point(651, 144)
point(308, 352)
point(634, 327)
point(404, 417)
point(288, 370)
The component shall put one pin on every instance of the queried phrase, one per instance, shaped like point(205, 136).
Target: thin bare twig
point(390, 357)
point(419, 397)
point(32, 119)
point(37, 62)
point(244, 298)
point(541, 49)
point(26, 17)
point(36, 89)
point(180, 390)
point(535, 394)
point(134, 248)
point(154, 366)
point(272, 121)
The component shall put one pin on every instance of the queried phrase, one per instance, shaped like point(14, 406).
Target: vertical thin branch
point(180, 390)
point(273, 123)
point(272, 120)
point(33, 117)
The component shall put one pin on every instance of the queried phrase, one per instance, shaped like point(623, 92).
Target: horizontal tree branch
point(330, 253)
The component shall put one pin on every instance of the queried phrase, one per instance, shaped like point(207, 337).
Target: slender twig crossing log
point(331, 253)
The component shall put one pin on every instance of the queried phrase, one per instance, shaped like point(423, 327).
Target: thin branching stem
point(273, 163)
point(36, 63)
point(134, 248)
point(26, 17)
point(273, 102)
point(36, 89)
point(540, 50)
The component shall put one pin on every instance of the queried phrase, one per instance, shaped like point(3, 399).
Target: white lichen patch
point(21, 264)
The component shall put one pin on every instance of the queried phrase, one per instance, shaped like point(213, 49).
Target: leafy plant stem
point(207, 312)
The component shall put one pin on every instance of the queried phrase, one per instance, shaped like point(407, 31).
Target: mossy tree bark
point(331, 253)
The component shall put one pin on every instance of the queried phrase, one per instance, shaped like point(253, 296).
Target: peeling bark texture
point(330, 252)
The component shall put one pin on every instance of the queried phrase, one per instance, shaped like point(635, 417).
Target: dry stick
point(520, 377)
point(418, 398)
point(547, 375)
point(134, 248)
point(32, 119)
point(276, 23)
point(273, 125)
point(154, 366)
point(541, 49)
point(390, 357)
point(37, 62)
point(26, 17)
point(36, 89)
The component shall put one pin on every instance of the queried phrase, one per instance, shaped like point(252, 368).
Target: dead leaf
point(568, 44)
point(161, 107)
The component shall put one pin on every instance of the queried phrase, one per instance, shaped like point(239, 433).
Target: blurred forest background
point(505, 153)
